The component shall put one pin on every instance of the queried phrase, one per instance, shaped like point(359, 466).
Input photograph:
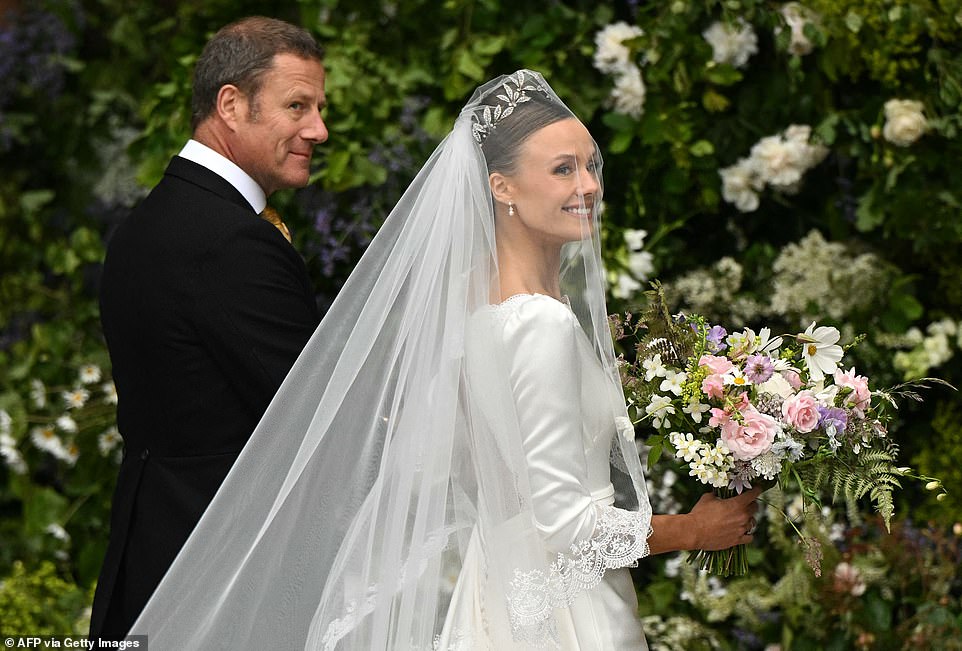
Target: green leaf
point(620, 142)
point(33, 200)
point(723, 74)
point(702, 148)
point(867, 217)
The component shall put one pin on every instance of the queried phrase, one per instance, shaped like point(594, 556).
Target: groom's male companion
point(205, 305)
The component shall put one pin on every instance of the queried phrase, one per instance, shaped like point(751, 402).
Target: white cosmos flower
point(820, 351)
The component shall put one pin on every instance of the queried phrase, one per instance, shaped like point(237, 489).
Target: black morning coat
point(205, 307)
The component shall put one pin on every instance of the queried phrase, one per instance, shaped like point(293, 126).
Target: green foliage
point(82, 141)
point(40, 602)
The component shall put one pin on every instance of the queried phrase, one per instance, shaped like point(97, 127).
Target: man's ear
point(231, 105)
point(501, 188)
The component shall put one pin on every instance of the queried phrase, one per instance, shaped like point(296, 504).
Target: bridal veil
point(345, 519)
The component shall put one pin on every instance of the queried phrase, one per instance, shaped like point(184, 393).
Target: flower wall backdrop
point(771, 163)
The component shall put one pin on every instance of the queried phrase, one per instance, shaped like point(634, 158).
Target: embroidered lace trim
point(619, 539)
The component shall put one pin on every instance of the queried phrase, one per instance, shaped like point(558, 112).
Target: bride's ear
point(500, 188)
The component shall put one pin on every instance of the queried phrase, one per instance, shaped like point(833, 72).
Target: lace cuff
point(619, 539)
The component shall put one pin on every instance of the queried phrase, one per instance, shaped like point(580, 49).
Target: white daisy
point(108, 440)
point(76, 398)
point(89, 373)
point(110, 393)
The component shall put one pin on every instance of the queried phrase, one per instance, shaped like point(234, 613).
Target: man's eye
point(297, 106)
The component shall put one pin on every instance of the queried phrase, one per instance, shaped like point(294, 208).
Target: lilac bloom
point(759, 368)
point(716, 337)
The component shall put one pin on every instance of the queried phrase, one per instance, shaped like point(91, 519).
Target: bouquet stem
point(723, 562)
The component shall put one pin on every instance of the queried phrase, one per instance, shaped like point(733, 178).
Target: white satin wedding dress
point(563, 402)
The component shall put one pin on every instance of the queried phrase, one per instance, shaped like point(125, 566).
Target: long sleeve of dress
point(566, 422)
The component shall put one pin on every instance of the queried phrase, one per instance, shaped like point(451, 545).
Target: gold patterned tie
point(274, 217)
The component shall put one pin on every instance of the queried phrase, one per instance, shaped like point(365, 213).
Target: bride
point(449, 465)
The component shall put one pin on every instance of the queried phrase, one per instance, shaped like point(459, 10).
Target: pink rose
point(750, 438)
point(718, 417)
point(801, 411)
point(861, 397)
point(793, 378)
point(717, 365)
point(713, 386)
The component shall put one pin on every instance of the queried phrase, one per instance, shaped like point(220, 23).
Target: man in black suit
point(205, 305)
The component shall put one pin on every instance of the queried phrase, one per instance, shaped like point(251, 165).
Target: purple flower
point(759, 368)
point(716, 337)
point(832, 419)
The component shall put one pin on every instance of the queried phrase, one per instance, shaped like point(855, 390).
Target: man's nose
point(316, 131)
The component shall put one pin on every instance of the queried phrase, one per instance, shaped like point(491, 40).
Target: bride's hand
point(722, 523)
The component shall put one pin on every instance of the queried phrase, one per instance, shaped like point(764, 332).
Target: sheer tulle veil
point(345, 519)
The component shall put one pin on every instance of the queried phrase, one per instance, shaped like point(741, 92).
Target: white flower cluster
point(640, 265)
point(613, 57)
point(731, 43)
point(8, 446)
point(713, 292)
point(929, 350)
point(825, 277)
point(904, 121)
point(796, 16)
point(709, 464)
point(778, 161)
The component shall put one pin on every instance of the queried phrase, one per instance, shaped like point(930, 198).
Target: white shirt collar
point(228, 170)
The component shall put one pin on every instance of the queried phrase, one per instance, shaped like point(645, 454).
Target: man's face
point(281, 125)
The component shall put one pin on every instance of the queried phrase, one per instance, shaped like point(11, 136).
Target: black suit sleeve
point(258, 310)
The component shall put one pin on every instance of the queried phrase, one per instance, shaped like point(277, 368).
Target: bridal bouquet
point(742, 407)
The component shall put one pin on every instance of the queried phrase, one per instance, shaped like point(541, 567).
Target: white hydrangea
point(635, 238)
point(612, 55)
point(731, 43)
point(641, 264)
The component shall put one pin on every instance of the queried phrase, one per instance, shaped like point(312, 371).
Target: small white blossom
point(635, 238)
point(732, 44)
point(673, 382)
point(38, 393)
point(57, 532)
point(686, 446)
point(659, 409)
point(641, 264)
point(625, 286)
point(67, 424)
point(6, 423)
point(11, 455)
point(110, 393)
point(654, 368)
point(695, 409)
point(89, 373)
point(767, 465)
point(108, 440)
point(76, 398)
point(45, 439)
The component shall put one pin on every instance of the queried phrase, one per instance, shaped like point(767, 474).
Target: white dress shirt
point(228, 170)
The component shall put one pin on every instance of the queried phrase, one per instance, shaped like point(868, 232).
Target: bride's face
point(556, 184)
